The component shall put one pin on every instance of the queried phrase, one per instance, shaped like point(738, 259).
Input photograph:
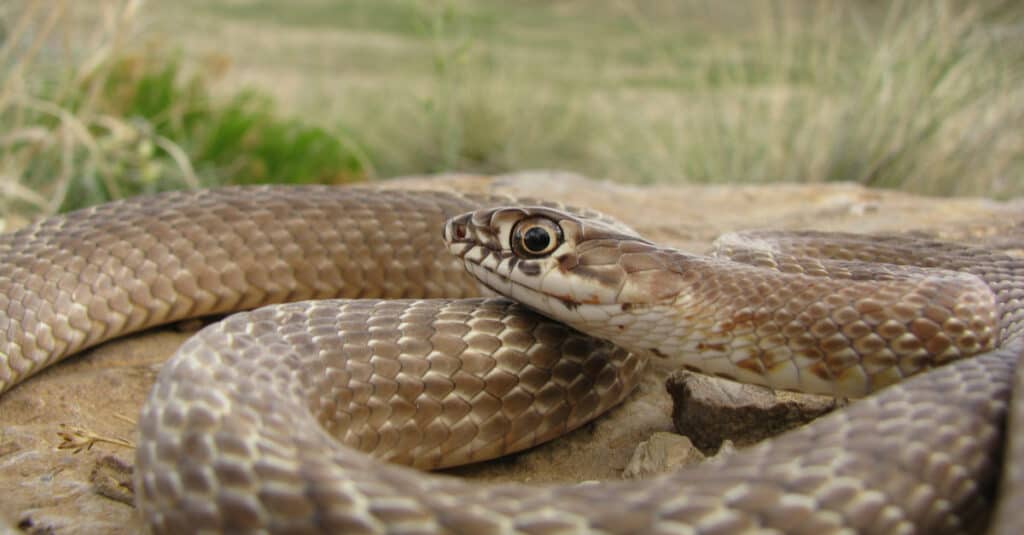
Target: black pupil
point(536, 239)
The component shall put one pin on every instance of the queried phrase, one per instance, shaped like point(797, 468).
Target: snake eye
point(535, 237)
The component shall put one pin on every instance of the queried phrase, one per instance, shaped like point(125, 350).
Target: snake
point(375, 334)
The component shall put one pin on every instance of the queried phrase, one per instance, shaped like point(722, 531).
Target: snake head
point(574, 268)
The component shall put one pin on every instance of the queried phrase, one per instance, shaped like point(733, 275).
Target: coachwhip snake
point(252, 424)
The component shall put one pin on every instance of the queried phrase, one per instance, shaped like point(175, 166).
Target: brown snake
point(251, 425)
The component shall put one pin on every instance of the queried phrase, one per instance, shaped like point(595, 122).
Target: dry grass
point(51, 78)
point(925, 96)
point(918, 95)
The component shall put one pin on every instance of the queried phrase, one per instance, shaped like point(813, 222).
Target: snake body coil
point(272, 420)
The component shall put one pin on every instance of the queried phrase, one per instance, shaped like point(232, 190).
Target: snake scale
point(276, 419)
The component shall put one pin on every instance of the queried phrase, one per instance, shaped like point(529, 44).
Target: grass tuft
point(82, 129)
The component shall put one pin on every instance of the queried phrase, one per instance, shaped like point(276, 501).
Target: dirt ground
point(50, 490)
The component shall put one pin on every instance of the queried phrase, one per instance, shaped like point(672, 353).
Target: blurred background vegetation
point(109, 98)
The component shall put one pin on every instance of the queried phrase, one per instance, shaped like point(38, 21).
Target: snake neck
point(787, 330)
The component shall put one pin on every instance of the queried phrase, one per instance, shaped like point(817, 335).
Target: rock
point(711, 410)
point(112, 478)
point(101, 390)
point(725, 450)
point(663, 452)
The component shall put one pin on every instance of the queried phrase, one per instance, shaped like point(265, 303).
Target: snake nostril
point(459, 231)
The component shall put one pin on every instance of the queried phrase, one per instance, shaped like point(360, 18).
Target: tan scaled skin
point(798, 323)
point(255, 425)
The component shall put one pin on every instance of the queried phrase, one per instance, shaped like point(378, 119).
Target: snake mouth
point(549, 305)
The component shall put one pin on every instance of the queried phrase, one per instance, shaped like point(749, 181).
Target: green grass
point(924, 96)
point(236, 140)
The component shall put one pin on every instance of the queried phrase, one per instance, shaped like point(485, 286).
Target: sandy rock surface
point(710, 411)
point(94, 397)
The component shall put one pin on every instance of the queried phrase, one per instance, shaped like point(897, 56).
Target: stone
point(663, 452)
point(112, 478)
point(711, 410)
